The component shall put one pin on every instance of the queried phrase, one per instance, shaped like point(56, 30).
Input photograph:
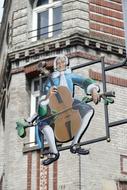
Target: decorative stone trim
point(73, 40)
point(44, 177)
point(31, 69)
point(17, 70)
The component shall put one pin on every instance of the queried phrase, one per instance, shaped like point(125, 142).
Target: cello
point(67, 122)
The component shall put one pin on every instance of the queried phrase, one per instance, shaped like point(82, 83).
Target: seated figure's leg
point(85, 123)
point(84, 126)
point(49, 135)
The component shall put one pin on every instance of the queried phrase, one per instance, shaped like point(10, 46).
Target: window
point(35, 93)
point(47, 19)
point(34, 101)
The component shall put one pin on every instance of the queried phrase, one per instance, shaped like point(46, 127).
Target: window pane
point(57, 19)
point(42, 2)
point(43, 24)
point(36, 85)
point(37, 99)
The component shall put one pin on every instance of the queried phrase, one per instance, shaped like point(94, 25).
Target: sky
point(1, 8)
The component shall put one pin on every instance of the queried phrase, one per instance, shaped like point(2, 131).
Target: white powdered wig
point(62, 58)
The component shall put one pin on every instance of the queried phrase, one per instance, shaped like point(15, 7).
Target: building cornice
point(76, 39)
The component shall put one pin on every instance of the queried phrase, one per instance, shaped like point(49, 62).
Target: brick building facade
point(34, 31)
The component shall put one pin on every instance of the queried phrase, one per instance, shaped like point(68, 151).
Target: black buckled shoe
point(77, 149)
point(52, 159)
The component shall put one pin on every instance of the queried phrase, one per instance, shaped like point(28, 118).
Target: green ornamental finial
point(21, 125)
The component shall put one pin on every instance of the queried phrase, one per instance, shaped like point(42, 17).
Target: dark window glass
point(36, 85)
point(3, 113)
point(42, 2)
point(57, 18)
point(7, 36)
point(37, 99)
point(43, 24)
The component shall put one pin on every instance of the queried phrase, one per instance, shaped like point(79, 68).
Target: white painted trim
point(32, 129)
point(50, 29)
point(34, 95)
point(34, 28)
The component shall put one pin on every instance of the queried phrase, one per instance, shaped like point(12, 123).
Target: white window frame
point(40, 9)
point(34, 95)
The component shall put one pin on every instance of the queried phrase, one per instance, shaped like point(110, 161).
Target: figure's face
point(60, 66)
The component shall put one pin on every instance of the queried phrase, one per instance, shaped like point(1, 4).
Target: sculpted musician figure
point(58, 90)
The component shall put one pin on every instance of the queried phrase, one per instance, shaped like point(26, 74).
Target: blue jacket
point(71, 79)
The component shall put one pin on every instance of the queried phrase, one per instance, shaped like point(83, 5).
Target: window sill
point(30, 149)
point(36, 147)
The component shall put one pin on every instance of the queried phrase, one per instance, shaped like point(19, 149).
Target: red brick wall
point(38, 171)
point(106, 18)
point(29, 170)
point(55, 175)
point(109, 79)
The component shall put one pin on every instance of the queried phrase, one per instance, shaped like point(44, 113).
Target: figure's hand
point(29, 123)
point(53, 90)
point(96, 97)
